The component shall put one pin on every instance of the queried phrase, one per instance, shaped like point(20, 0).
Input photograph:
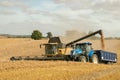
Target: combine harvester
point(74, 51)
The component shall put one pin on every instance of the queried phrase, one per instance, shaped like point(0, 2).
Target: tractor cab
point(86, 46)
point(82, 48)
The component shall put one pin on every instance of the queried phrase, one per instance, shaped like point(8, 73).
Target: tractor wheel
point(95, 59)
point(82, 59)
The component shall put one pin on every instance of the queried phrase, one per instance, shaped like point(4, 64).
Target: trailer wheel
point(109, 63)
point(95, 59)
point(82, 59)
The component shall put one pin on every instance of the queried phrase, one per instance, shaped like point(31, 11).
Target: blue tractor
point(81, 52)
point(84, 52)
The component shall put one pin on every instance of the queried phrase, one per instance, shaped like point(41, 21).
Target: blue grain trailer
point(106, 57)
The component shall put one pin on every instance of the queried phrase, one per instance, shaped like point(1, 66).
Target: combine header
point(74, 51)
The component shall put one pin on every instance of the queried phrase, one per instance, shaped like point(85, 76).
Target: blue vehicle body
point(90, 54)
point(85, 49)
point(76, 51)
point(105, 56)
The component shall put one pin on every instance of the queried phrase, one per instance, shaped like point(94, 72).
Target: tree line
point(37, 35)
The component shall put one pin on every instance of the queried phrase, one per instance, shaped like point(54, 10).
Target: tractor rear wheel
point(95, 59)
point(82, 59)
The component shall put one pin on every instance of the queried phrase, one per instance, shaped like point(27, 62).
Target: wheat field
point(52, 70)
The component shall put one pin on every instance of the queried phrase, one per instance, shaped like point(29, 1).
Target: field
point(52, 70)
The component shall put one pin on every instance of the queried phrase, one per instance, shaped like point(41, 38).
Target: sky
point(21, 17)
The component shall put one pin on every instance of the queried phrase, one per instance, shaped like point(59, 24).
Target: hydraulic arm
point(87, 36)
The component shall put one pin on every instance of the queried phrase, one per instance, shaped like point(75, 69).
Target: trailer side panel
point(105, 56)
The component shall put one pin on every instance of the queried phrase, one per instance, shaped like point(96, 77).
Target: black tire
point(27, 58)
point(109, 63)
point(19, 58)
point(12, 58)
point(36, 58)
point(67, 58)
point(95, 59)
point(82, 59)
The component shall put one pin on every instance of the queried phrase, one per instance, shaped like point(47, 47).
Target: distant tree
point(49, 35)
point(36, 35)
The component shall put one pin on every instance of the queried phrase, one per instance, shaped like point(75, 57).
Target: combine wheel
point(95, 59)
point(35, 58)
point(67, 58)
point(12, 58)
point(82, 59)
point(19, 58)
point(27, 58)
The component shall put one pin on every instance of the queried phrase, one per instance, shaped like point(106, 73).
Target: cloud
point(100, 8)
point(103, 14)
point(31, 11)
point(7, 12)
point(107, 5)
point(12, 4)
point(16, 6)
point(29, 7)
point(76, 4)
point(91, 4)
point(72, 14)
point(58, 16)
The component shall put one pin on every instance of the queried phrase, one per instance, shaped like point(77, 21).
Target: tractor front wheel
point(82, 59)
point(95, 59)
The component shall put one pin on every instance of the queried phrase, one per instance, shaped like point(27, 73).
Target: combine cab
point(55, 47)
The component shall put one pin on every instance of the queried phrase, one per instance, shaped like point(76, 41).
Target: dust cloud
point(71, 35)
